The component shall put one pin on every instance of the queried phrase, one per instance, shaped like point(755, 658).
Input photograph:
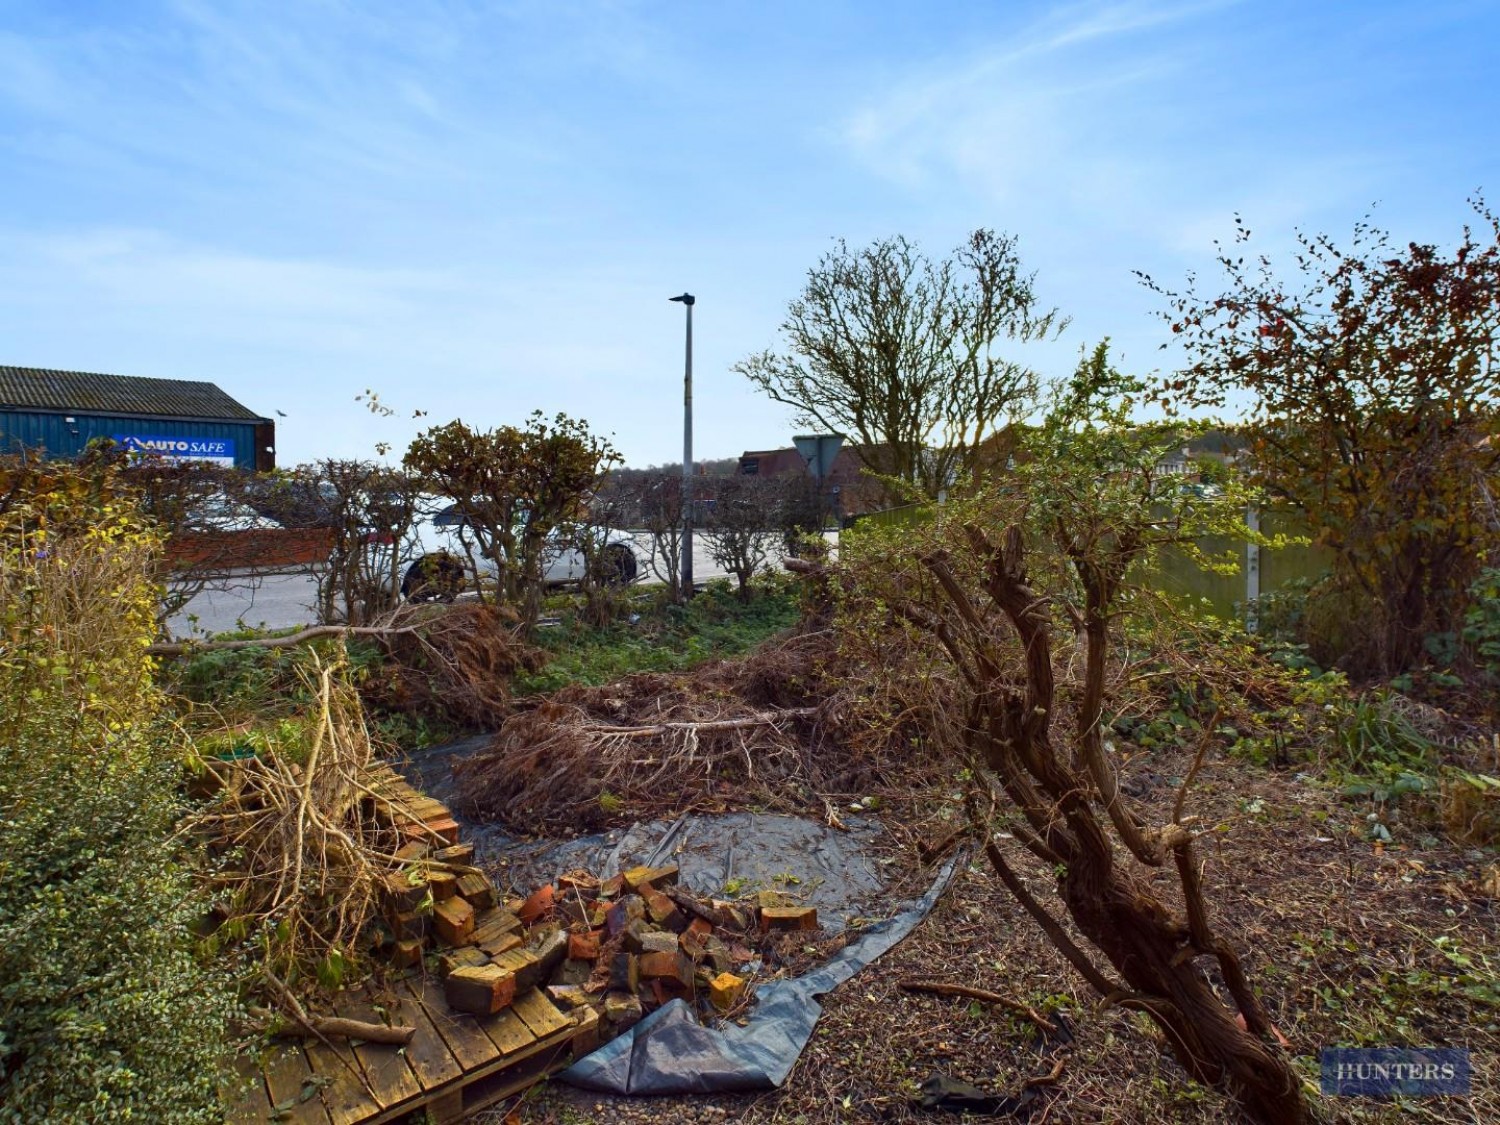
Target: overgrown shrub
point(105, 1014)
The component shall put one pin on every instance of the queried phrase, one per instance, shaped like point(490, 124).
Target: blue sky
point(480, 209)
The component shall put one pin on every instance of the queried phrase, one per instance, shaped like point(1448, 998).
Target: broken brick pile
point(623, 945)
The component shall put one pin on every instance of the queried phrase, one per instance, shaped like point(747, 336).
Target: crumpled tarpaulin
point(670, 1052)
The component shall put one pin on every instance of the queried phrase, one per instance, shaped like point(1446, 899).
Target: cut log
point(456, 855)
point(477, 889)
point(480, 989)
point(454, 921)
point(443, 884)
point(401, 894)
point(337, 1028)
point(406, 954)
point(526, 968)
point(466, 956)
point(408, 925)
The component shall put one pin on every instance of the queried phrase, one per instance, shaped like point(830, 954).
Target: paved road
point(268, 601)
point(282, 601)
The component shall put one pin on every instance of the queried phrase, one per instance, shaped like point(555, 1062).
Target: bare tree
point(609, 566)
point(801, 507)
point(899, 353)
point(659, 496)
point(354, 517)
point(740, 527)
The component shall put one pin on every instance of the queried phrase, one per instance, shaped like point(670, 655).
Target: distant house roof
point(33, 388)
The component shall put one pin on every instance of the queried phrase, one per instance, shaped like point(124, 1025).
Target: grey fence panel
point(1307, 560)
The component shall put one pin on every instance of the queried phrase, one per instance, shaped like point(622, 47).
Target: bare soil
point(1351, 943)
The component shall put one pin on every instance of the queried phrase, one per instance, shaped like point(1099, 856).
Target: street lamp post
point(687, 301)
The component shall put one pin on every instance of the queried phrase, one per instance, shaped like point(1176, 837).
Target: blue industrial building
point(57, 413)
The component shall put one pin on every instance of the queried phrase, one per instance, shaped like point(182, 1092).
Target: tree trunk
point(1070, 807)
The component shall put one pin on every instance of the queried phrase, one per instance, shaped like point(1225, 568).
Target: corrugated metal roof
point(39, 389)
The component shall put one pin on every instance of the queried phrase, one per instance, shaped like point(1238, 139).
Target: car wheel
point(619, 565)
point(436, 578)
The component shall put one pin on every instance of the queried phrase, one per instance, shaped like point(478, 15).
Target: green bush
point(241, 684)
point(1482, 622)
point(105, 1013)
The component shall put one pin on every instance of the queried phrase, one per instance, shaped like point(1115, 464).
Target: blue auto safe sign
point(178, 448)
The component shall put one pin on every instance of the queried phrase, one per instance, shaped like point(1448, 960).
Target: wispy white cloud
point(1073, 96)
point(1083, 23)
point(1115, 137)
point(306, 334)
point(1121, 113)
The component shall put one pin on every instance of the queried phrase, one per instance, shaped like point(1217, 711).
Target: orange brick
point(663, 911)
point(672, 968)
point(725, 990)
point(584, 947)
point(788, 918)
point(657, 877)
point(537, 905)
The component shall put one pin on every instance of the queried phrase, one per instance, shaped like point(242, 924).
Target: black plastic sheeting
point(670, 1052)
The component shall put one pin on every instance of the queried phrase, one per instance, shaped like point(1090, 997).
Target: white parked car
point(221, 513)
point(442, 559)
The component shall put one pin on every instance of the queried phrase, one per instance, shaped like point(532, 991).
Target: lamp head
point(686, 299)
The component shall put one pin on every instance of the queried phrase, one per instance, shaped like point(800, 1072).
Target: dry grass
point(1470, 802)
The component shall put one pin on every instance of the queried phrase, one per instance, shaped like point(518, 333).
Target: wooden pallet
point(455, 1065)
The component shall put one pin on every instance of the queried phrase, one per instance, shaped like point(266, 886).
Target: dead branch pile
point(455, 662)
point(777, 729)
point(300, 866)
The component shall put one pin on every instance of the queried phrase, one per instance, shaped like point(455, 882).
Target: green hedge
point(105, 1013)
